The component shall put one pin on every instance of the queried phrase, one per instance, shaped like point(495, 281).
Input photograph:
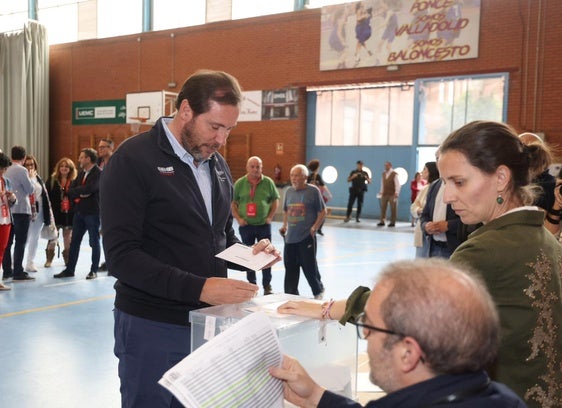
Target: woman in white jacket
point(430, 174)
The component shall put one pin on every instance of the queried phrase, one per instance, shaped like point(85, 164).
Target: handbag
point(49, 232)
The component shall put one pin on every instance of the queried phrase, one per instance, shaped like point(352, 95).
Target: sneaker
point(346, 219)
point(22, 278)
point(4, 287)
point(380, 224)
point(30, 268)
point(267, 290)
point(7, 276)
point(64, 274)
point(91, 275)
point(391, 224)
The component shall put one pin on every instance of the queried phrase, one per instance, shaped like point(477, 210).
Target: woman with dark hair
point(487, 172)
point(7, 199)
point(429, 174)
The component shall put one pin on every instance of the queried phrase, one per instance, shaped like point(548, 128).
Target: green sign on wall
point(99, 112)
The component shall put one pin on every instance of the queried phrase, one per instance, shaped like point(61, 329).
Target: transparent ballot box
point(326, 349)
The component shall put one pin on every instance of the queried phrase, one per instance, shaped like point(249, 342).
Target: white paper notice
point(231, 370)
point(242, 255)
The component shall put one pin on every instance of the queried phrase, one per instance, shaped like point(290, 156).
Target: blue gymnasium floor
point(56, 335)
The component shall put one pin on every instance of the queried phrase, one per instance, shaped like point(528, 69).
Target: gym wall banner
point(396, 32)
point(99, 112)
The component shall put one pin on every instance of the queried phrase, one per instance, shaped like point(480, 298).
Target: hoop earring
point(499, 200)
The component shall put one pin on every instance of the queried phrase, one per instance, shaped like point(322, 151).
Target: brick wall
point(283, 50)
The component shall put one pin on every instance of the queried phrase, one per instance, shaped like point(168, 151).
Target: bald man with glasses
point(431, 331)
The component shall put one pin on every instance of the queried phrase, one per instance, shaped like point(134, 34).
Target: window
point(253, 8)
point(370, 116)
point(13, 15)
point(178, 13)
point(51, 16)
point(449, 103)
point(119, 17)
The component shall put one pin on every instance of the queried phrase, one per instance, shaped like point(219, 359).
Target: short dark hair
point(359, 162)
point(91, 153)
point(205, 86)
point(5, 161)
point(18, 153)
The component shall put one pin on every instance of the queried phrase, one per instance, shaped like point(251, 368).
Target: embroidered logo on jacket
point(220, 175)
point(166, 171)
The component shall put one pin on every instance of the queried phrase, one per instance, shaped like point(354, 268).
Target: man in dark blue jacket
point(165, 205)
point(431, 330)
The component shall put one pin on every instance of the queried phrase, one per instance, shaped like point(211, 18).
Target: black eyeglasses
point(363, 334)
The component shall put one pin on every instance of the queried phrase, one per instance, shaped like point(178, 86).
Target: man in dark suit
point(439, 223)
point(84, 193)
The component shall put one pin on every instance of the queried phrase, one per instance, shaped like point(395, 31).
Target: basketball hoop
point(138, 121)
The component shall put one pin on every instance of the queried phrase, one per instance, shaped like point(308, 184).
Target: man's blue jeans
point(80, 224)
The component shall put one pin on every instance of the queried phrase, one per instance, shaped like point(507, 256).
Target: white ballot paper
point(242, 255)
point(231, 370)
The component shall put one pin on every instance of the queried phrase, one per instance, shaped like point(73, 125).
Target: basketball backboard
point(147, 107)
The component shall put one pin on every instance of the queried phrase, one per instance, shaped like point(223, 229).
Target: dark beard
point(186, 142)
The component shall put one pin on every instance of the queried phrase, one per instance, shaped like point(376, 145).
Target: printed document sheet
point(231, 370)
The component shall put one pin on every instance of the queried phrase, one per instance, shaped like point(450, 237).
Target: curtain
point(24, 92)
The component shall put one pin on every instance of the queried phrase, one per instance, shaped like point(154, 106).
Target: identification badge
point(251, 209)
point(65, 205)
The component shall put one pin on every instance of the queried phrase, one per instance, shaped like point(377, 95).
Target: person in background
point(439, 223)
point(166, 199)
point(41, 212)
point(486, 171)
point(105, 150)
point(7, 200)
point(315, 179)
point(389, 192)
point(552, 217)
point(540, 176)
point(431, 331)
point(58, 185)
point(430, 173)
point(21, 217)
point(416, 185)
point(84, 192)
point(254, 205)
point(359, 180)
point(303, 213)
